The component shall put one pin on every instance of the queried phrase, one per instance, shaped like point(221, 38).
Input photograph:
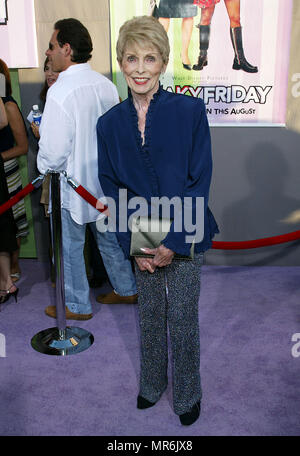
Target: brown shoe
point(51, 312)
point(115, 298)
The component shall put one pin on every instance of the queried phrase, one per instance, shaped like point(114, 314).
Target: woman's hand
point(145, 264)
point(35, 130)
point(162, 256)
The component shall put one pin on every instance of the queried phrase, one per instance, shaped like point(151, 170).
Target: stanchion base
point(51, 342)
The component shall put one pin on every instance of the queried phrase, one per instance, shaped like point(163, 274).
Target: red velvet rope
point(257, 242)
point(18, 197)
point(218, 245)
point(90, 198)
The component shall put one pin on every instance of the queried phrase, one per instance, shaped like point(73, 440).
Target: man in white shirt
point(69, 142)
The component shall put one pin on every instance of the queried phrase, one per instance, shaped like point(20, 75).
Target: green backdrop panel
point(28, 248)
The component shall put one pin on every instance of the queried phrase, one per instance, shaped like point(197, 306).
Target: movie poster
point(3, 11)
point(234, 54)
point(18, 44)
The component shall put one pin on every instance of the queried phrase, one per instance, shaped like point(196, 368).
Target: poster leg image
point(240, 62)
point(233, 11)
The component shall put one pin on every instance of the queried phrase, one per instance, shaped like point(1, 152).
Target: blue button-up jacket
point(175, 159)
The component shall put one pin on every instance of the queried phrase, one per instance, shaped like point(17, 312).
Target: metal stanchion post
point(62, 340)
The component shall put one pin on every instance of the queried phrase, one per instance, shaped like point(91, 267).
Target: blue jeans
point(118, 268)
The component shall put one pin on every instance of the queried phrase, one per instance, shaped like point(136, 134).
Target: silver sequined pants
point(168, 298)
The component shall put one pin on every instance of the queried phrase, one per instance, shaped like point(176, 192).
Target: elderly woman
point(157, 144)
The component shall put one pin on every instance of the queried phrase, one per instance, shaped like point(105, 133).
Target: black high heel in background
point(187, 66)
point(8, 294)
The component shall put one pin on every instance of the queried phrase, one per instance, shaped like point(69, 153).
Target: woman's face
point(50, 75)
point(142, 67)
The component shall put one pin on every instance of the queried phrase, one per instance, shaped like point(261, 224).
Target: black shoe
point(244, 65)
point(187, 66)
point(204, 35)
point(7, 294)
point(240, 62)
point(202, 62)
point(190, 417)
point(143, 403)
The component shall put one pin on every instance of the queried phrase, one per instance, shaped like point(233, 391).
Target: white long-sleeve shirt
point(68, 138)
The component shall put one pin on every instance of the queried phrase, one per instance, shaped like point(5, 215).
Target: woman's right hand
point(35, 130)
point(145, 264)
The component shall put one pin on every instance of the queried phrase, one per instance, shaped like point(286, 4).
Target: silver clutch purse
point(149, 232)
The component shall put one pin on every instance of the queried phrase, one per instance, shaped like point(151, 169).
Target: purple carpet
point(250, 377)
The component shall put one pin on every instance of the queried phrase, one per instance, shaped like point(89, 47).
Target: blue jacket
point(175, 159)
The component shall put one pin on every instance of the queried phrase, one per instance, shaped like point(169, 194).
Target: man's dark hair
point(76, 34)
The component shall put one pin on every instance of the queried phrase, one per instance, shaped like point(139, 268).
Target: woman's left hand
point(162, 255)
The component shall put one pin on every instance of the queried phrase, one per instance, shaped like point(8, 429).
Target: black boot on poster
point(240, 62)
point(204, 33)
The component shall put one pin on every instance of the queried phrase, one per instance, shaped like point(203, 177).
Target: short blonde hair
point(143, 31)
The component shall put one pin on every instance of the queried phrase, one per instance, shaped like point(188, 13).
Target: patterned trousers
point(168, 299)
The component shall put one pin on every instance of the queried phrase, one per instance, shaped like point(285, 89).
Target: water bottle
point(37, 115)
